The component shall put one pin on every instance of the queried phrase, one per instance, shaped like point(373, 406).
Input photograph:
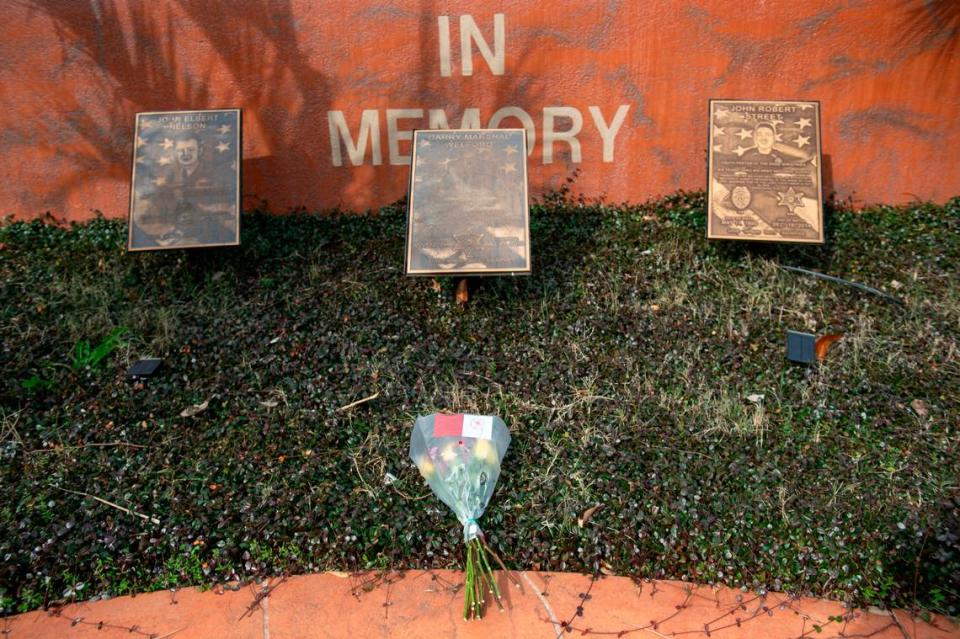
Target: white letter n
point(470, 32)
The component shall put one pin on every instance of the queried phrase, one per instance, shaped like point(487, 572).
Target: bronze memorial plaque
point(468, 209)
point(185, 190)
point(763, 171)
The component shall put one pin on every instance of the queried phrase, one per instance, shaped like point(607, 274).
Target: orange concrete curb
point(416, 604)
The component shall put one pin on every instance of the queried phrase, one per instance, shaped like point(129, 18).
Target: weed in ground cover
point(622, 365)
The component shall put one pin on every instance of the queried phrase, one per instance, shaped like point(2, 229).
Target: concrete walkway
point(429, 605)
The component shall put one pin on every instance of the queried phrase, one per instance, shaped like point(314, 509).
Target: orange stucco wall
point(74, 72)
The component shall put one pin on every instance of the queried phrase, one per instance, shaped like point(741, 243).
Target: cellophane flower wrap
point(460, 456)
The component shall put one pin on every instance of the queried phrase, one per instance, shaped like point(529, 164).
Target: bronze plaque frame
point(764, 179)
point(185, 180)
point(468, 210)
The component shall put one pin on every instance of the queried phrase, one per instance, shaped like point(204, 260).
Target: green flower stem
point(471, 582)
point(468, 591)
point(493, 581)
point(479, 596)
point(496, 557)
point(480, 581)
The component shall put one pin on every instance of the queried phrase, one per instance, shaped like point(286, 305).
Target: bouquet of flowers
point(459, 456)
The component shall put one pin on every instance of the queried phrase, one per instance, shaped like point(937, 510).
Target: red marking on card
point(448, 425)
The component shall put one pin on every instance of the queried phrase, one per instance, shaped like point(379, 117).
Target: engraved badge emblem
point(740, 196)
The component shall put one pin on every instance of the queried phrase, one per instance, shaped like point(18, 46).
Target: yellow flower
point(449, 452)
point(484, 450)
point(426, 467)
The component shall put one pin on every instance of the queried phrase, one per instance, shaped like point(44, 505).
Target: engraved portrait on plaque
point(185, 189)
point(763, 172)
point(467, 211)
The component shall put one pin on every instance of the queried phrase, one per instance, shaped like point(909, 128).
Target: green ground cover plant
point(658, 430)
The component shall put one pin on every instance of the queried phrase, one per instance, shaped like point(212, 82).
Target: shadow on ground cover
point(623, 365)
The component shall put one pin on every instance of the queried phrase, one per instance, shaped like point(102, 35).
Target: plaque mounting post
point(462, 295)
